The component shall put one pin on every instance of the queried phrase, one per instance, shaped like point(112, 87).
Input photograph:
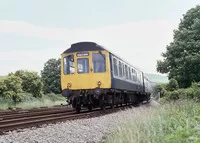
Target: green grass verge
point(31, 102)
point(174, 123)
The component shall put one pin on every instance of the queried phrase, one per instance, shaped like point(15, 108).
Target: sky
point(33, 31)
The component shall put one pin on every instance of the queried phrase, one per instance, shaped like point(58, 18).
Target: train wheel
point(102, 102)
point(90, 107)
point(103, 105)
point(78, 108)
point(148, 98)
point(112, 105)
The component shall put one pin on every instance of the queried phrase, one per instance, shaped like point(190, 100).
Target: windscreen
point(83, 65)
point(99, 63)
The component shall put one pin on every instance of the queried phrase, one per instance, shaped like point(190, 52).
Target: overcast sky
point(33, 31)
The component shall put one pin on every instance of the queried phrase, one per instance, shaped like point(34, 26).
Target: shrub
point(173, 85)
point(13, 83)
point(31, 82)
point(159, 88)
point(2, 87)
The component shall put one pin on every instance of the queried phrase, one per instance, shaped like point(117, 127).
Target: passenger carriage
point(91, 77)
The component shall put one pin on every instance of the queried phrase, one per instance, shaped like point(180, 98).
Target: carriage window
point(132, 70)
point(134, 76)
point(126, 71)
point(69, 64)
point(82, 65)
point(120, 69)
point(129, 72)
point(99, 62)
point(115, 67)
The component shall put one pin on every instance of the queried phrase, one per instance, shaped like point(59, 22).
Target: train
point(94, 77)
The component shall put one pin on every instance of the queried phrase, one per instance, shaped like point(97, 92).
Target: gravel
point(78, 131)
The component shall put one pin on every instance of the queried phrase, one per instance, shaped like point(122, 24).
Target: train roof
point(84, 46)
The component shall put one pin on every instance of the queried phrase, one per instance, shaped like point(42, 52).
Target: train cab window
point(82, 65)
point(115, 67)
point(120, 69)
point(126, 71)
point(99, 62)
point(69, 65)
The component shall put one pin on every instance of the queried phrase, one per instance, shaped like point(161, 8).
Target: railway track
point(20, 120)
point(41, 109)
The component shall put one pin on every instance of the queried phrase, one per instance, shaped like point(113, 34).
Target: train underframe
point(105, 98)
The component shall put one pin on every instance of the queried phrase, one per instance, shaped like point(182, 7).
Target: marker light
point(69, 85)
point(99, 83)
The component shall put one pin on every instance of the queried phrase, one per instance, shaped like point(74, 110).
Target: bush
point(173, 95)
point(192, 92)
point(2, 87)
point(173, 85)
point(13, 83)
point(31, 82)
point(159, 88)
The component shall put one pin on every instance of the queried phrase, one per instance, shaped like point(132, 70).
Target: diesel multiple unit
point(92, 76)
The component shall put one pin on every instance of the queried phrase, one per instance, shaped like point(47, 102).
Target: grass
point(174, 123)
point(45, 101)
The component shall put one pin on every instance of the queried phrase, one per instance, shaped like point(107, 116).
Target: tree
point(51, 76)
point(182, 58)
point(31, 82)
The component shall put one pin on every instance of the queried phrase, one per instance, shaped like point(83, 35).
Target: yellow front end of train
point(85, 70)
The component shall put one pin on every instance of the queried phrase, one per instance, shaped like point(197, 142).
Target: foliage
point(51, 76)
point(13, 83)
point(174, 123)
point(173, 85)
point(2, 87)
point(31, 82)
point(192, 92)
point(161, 88)
point(182, 58)
point(10, 88)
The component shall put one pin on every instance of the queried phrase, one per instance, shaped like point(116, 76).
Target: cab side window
point(69, 64)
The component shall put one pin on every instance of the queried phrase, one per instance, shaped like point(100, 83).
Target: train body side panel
point(87, 80)
point(123, 84)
